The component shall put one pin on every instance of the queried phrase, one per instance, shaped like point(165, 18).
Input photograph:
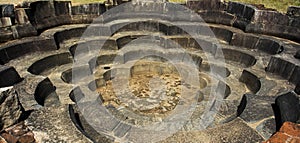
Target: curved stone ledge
point(8, 76)
point(83, 124)
point(49, 62)
point(222, 34)
point(76, 95)
point(45, 94)
point(100, 82)
point(244, 40)
point(221, 71)
point(244, 59)
point(223, 89)
point(102, 60)
point(16, 49)
point(269, 46)
point(217, 17)
point(35, 91)
point(68, 34)
point(93, 45)
point(287, 68)
point(75, 74)
point(252, 81)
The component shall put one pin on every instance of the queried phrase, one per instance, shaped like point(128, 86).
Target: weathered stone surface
point(252, 81)
point(41, 10)
point(76, 95)
point(213, 5)
point(6, 34)
point(289, 132)
point(293, 11)
point(8, 76)
point(49, 62)
point(287, 108)
point(286, 68)
point(5, 22)
point(297, 55)
point(267, 128)
point(21, 16)
point(241, 10)
point(242, 58)
point(295, 77)
point(254, 108)
point(46, 14)
point(218, 17)
point(270, 17)
point(62, 7)
point(54, 125)
point(10, 109)
point(244, 40)
point(96, 9)
point(18, 133)
point(68, 34)
point(297, 89)
point(80, 121)
point(295, 22)
point(222, 33)
point(282, 31)
point(25, 30)
point(7, 10)
point(25, 46)
point(36, 91)
point(76, 73)
point(269, 46)
point(235, 131)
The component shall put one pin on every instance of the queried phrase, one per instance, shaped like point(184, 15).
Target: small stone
point(9, 138)
point(27, 138)
point(291, 129)
point(289, 132)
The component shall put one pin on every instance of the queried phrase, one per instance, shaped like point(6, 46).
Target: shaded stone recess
point(54, 80)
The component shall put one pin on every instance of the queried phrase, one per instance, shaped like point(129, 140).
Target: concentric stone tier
point(200, 71)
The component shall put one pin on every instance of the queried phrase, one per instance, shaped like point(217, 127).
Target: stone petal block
point(8, 76)
point(254, 108)
point(34, 91)
point(287, 108)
